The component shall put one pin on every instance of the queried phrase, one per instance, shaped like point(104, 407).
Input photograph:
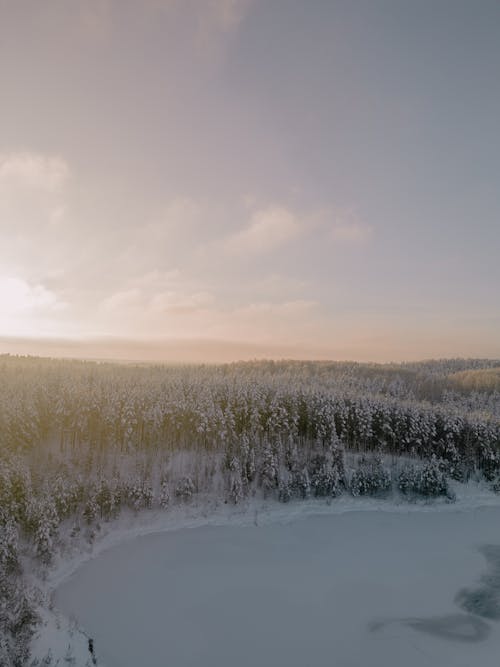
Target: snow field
point(355, 588)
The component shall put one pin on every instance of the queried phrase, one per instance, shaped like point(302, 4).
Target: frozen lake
point(358, 589)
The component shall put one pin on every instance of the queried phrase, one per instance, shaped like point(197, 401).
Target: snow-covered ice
point(374, 588)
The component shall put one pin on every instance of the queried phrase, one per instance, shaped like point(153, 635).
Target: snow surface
point(301, 584)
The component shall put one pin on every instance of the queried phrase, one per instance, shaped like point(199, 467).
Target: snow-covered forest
point(82, 442)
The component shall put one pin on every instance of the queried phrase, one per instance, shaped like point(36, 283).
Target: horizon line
point(113, 349)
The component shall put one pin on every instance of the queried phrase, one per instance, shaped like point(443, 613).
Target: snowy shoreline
point(57, 632)
point(255, 511)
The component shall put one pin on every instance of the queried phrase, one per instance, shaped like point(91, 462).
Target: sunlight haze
point(211, 180)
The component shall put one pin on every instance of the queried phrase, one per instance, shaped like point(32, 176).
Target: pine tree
point(269, 468)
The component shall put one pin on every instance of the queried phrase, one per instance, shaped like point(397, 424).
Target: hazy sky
point(296, 178)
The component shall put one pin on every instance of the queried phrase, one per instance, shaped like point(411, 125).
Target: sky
point(221, 179)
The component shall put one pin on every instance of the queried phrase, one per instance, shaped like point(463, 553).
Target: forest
point(82, 442)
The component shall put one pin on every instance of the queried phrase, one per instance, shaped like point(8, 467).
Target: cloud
point(275, 226)
point(179, 303)
point(269, 228)
point(32, 192)
point(34, 171)
point(189, 271)
point(346, 226)
point(178, 225)
point(17, 295)
point(121, 300)
point(278, 286)
point(154, 303)
point(95, 18)
point(172, 305)
point(263, 321)
point(26, 308)
point(284, 309)
point(159, 280)
point(222, 15)
point(205, 25)
point(34, 230)
point(228, 14)
point(216, 21)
